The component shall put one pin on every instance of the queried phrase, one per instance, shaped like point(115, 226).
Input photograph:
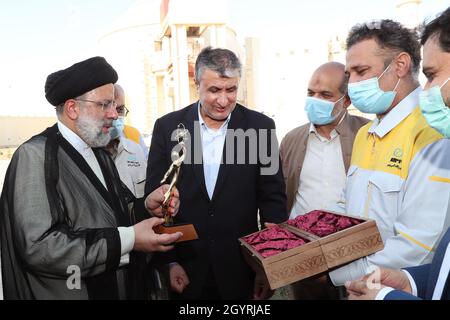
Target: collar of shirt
point(210, 131)
point(125, 144)
point(333, 134)
point(396, 115)
point(82, 147)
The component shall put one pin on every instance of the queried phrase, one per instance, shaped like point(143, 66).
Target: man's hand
point(368, 286)
point(393, 278)
point(178, 278)
point(146, 240)
point(154, 201)
point(261, 290)
point(362, 290)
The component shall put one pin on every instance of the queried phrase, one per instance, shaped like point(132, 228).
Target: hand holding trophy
point(178, 157)
point(174, 171)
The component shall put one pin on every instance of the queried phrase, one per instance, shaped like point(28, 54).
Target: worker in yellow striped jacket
point(400, 168)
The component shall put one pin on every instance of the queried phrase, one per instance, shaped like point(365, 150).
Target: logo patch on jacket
point(133, 161)
point(396, 160)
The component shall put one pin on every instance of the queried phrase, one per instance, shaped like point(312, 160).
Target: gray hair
point(60, 108)
point(389, 35)
point(222, 61)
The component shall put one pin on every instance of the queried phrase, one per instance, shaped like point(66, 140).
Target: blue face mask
point(367, 96)
point(319, 111)
point(434, 109)
point(117, 127)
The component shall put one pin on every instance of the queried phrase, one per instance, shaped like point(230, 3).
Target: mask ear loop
point(444, 83)
point(397, 84)
point(385, 70)
point(344, 97)
point(340, 114)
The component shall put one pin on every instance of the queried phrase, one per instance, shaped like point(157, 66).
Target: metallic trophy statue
point(188, 230)
point(174, 171)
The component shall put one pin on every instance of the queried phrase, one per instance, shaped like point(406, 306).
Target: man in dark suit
point(230, 173)
point(429, 281)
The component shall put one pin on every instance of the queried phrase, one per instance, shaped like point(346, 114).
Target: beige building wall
point(16, 130)
point(185, 30)
point(252, 75)
point(128, 44)
point(154, 45)
point(286, 73)
point(336, 48)
point(408, 12)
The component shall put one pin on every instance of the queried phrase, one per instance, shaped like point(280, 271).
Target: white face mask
point(320, 111)
point(117, 128)
point(367, 96)
point(434, 109)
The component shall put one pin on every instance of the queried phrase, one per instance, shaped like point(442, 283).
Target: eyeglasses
point(122, 110)
point(106, 105)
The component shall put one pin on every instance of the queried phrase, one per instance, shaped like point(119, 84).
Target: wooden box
point(316, 256)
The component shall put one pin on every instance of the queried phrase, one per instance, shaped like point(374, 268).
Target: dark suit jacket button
point(211, 213)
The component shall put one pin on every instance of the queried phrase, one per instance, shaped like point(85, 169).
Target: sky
point(41, 36)
point(44, 26)
point(314, 17)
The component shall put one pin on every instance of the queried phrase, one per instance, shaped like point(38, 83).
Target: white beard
point(90, 130)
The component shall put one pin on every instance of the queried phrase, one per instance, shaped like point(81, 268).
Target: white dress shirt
point(322, 178)
point(212, 146)
point(126, 233)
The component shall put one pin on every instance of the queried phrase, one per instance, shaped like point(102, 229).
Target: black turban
point(78, 79)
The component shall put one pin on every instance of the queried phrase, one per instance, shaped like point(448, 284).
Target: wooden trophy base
point(188, 231)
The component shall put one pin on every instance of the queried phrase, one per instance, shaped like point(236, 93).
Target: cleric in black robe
point(69, 229)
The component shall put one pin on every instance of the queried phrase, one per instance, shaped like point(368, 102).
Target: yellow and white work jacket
point(400, 177)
